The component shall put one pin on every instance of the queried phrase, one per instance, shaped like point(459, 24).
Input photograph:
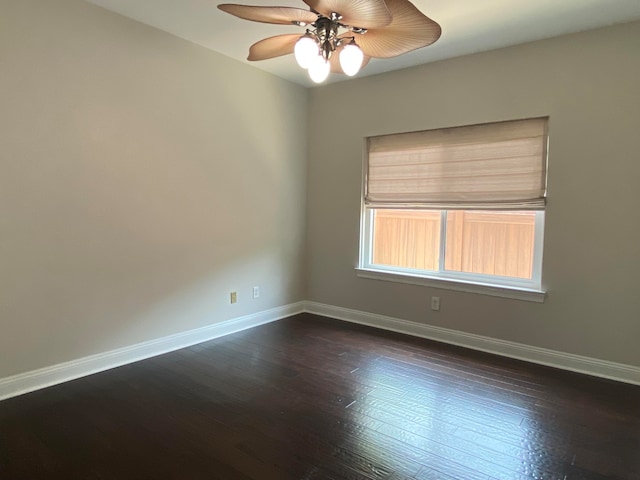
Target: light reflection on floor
point(428, 415)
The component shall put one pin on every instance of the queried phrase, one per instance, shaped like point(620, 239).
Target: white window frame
point(494, 285)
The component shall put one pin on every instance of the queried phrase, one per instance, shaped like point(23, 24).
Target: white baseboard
point(63, 372)
point(542, 356)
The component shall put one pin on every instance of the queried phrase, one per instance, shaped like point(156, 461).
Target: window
point(462, 205)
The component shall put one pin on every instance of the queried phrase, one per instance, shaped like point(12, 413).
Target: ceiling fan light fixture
point(306, 50)
point(319, 69)
point(351, 58)
point(384, 29)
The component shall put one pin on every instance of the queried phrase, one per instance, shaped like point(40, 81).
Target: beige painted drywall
point(141, 179)
point(588, 84)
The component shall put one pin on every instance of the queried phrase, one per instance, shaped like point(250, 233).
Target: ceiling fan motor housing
point(327, 33)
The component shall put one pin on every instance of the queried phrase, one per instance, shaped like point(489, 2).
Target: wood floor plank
point(310, 398)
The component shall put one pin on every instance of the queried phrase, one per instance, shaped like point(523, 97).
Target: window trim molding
point(517, 293)
point(519, 289)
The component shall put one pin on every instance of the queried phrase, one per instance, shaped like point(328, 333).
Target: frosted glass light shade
point(319, 69)
point(351, 59)
point(305, 51)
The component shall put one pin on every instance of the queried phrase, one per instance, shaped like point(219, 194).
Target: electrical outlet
point(256, 292)
point(435, 303)
point(233, 297)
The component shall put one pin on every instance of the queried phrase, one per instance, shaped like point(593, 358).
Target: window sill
point(528, 295)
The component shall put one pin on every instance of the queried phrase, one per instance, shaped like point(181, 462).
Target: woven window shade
point(490, 166)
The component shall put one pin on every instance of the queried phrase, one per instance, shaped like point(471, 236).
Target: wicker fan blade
point(277, 15)
point(356, 13)
point(334, 61)
point(273, 47)
point(410, 29)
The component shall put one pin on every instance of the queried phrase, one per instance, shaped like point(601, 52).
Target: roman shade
point(490, 166)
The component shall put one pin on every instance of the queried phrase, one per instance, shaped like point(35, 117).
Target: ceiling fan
point(342, 35)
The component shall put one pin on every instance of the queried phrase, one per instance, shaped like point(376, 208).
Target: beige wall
point(588, 84)
point(142, 178)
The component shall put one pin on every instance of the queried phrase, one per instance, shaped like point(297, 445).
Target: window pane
point(490, 242)
point(406, 238)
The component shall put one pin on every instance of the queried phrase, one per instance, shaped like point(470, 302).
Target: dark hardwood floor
point(312, 398)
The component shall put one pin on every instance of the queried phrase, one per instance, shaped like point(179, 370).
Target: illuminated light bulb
point(319, 69)
point(351, 59)
point(306, 50)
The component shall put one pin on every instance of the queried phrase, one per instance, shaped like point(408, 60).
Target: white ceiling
point(468, 26)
